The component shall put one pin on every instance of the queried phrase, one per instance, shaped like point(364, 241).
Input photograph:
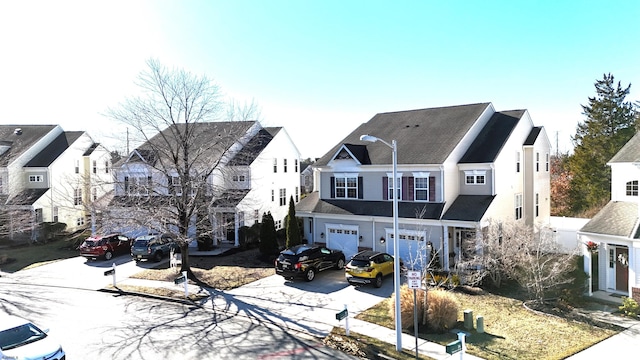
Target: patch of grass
point(511, 331)
point(158, 291)
point(220, 272)
point(19, 257)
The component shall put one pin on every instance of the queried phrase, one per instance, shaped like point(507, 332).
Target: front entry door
point(622, 269)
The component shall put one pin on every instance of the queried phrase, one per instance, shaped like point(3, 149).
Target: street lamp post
point(396, 245)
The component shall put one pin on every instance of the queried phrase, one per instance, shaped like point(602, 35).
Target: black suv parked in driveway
point(151, 247)
point(304, 261)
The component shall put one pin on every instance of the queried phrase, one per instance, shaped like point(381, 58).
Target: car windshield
point(360, 263)
point(20, 335)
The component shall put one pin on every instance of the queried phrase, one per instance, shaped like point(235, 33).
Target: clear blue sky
point(318, 68)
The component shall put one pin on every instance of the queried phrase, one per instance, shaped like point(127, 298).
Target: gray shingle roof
point(425, 136)
point(406, 210)
point(230, 198)
point(533, 135)
point(630, 152)
point(617, 218)
point(468, 208)
point(207, 141)
point(27, 197)
point(254, 147)
point(55, 148)
point(487, 145)
point(20, 143)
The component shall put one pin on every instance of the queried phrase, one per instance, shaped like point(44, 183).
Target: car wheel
point(378, 281)
point(340, 264)
point(108, 255)
point(157, 256)
point(310, 274)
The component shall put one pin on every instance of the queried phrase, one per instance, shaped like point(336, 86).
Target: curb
point(150, 296)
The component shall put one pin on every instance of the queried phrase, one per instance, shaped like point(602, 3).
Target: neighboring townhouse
point(257, 170)
point(306, 179)
point(612, 258)
point(52, 174)
point(457, 167)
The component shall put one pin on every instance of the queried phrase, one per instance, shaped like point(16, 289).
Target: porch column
point(445, 248)
point(235, 229)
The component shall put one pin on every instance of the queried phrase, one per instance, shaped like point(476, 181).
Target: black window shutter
point(385, 188)
point(432, 188)
point(360, 188)
point(333, 187)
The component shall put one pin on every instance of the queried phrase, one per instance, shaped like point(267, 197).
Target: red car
point(105, 247)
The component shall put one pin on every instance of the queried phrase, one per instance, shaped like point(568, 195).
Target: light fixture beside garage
point(322, 235)
point(360, 238)
point(382, 240)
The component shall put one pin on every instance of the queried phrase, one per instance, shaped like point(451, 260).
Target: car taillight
point(297, 266)
point(148, 250)
point(104, 248)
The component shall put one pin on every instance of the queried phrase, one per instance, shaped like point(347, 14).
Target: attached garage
point(413, 248)
point(344, 238)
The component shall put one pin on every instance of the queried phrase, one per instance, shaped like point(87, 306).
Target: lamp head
point(368, 138)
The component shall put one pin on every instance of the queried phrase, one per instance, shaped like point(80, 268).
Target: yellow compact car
point(369, 267)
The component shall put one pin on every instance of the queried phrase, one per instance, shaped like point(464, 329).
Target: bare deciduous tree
point(531, 257)
point(176, 121)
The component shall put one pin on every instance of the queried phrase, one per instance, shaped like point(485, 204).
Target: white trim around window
point(36, 178)
point(475, 177)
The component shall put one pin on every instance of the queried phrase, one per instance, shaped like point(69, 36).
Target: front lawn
point(14, 258)
point(511, 330)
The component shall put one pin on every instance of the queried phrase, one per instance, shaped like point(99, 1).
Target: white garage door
point(343, 239)
point(413, 248)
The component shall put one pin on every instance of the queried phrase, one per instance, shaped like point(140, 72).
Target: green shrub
point(630, 307)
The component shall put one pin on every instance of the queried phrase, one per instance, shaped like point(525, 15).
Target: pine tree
point(293, 231)
point(610, 122)
point(268, 237)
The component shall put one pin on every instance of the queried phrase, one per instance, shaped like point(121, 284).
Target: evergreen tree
point(610, 122)
point(268, 238)
point(293, 231)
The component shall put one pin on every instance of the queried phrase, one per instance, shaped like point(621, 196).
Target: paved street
point(97, 325)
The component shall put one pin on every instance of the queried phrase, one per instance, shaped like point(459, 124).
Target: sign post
point(182, 279)
point(344, 314)
point(414, 282)
point(112, 272)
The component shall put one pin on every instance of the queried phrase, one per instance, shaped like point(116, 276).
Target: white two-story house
point(457, 167)
point(52, 174)
point(256, 170)
point(614, 232)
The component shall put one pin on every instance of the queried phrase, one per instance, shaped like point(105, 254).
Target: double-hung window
point(283, 197)
point(346, 186)
point(398, 186)
point(632, 188)
point(421, 186)
point(518, 206)
point(77, 196)
point(518, 161)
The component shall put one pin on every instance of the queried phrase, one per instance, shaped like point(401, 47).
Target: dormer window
point(475, 177)
point(632, 188)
